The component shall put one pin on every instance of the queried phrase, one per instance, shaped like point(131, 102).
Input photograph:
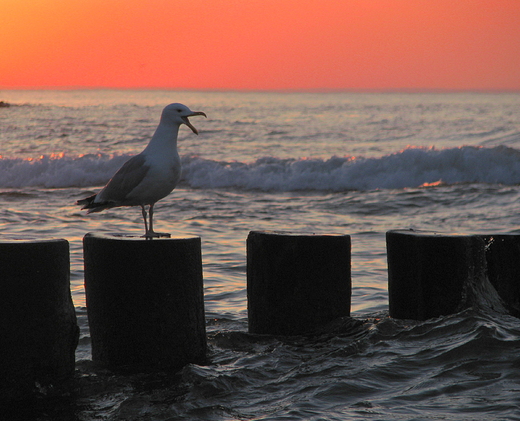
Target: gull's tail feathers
point(92, 206)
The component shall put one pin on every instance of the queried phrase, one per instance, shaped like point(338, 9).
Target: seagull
point(149, 176)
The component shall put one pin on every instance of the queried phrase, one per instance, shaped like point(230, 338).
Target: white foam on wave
point(58, 171)
point(411, 167)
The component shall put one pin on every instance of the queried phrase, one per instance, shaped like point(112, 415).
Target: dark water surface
point(460, 367)
point(356, 164)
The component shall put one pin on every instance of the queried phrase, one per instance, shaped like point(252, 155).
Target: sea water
point(346, 163)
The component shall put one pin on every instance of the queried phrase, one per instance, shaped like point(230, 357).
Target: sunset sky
point(261, 44)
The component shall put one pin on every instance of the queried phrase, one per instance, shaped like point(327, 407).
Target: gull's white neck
point(164, 139)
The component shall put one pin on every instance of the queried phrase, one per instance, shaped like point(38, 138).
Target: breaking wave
point(411, 167)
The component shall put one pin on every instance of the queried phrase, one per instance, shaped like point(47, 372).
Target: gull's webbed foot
point(153, 234)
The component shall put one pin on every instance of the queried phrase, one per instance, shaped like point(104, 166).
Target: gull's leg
point(143, 211)
point(152, 233)
point(150, 212)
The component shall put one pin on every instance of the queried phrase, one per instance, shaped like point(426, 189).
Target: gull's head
point(178, 114)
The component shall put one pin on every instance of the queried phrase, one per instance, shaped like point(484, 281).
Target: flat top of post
point(135, 237)
point(424, 233)
point(298, 234)
point(23, 239)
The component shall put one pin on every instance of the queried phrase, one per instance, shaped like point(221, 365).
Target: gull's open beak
point(187, 122)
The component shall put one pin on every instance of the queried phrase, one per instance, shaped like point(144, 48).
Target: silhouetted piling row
point(145, 297)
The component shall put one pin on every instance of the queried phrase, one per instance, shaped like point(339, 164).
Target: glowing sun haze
point(261, 44)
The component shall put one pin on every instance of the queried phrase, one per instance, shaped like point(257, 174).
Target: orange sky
point(261, 44)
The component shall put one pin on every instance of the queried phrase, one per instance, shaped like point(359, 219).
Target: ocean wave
point(59, 171)
point(411, 167)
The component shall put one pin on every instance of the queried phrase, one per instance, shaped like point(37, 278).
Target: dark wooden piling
point(503, 268)
point(430, 274)
point(145, 301)
point(38, 329)
point(296, 282)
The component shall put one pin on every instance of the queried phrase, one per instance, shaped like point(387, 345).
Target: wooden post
point(503, 268)
point(430, 274)
point(145, 301)
point(296, 282)
point(38, 328)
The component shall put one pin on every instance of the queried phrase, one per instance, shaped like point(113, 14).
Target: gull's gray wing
point(124, 180)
